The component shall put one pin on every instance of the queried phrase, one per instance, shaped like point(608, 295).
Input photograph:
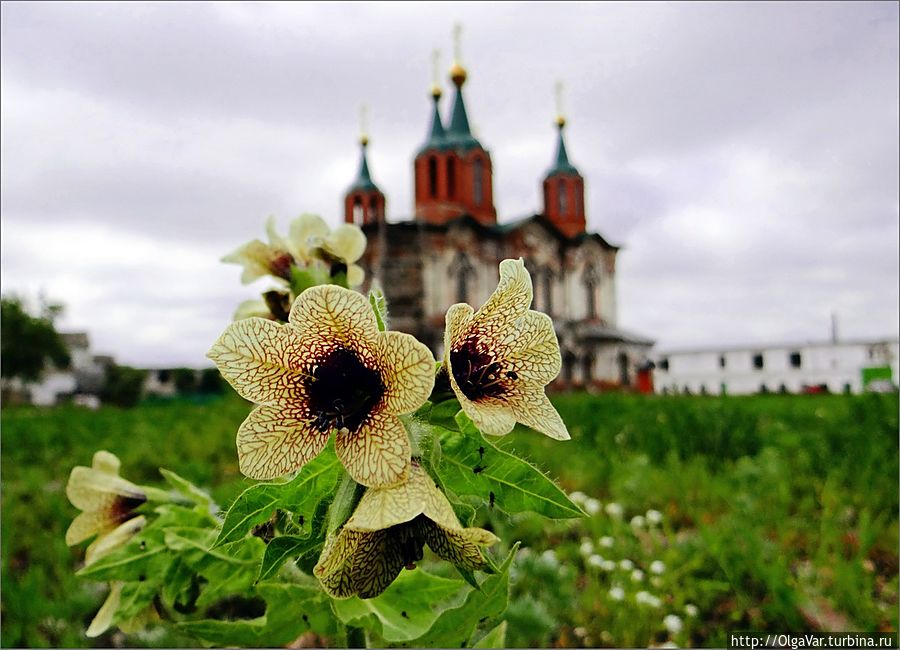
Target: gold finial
point(436, 74)
point(363, 124)
point(560, 117)
point(457, 72)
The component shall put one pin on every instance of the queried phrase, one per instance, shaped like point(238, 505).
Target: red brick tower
point(364, 203)
point(453, 172)
point(564, 191)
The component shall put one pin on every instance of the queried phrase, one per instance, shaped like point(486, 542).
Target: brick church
point(449, 251)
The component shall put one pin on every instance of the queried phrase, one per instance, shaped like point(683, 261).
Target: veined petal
point(331, 316)
point(382, 508)
point(90, 489)
point(339, 546)
point(275, 440)
point(533, 409)
point(407, 370)
point(104, 618)
point(369, 569)
point(259, 358)
point(456, 322)
point(301, 230)
point(493, 419)
point(355, 275)
point(378, 453)
point(534, 353)
point(104, 461)
point(461, 547)
point(510, 299)
point(347, 241)
point(90, 523)
point(255, 256)
point(116, 538)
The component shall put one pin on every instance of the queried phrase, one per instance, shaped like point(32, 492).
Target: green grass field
point(778, 513)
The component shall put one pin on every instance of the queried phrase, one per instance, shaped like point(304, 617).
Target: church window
point(451, 177)
point(758, 361)
point(357, 210)
point(547, 290)
point(591, 282)
point(579, 200)
point(796, 360)
point(432, 176)
point(478, 181)
point(373, 208)
point(461, 268)
point(561, 198)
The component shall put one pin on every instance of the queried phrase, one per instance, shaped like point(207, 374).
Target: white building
point(84, 376)
point(841, 366)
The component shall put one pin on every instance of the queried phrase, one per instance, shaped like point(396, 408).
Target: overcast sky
point(745, 156)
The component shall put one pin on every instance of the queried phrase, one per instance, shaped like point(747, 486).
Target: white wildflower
point(578, 497)
point(646, 598)
point(654, 516)
point(637, 521)
point(608, 565)
point(592, 507)
point(549, 556)
point(657, 567)
point(617, 593)
point(614, 510)
point(580, 631)
point(606, 541)
point(586, 548)
point(595, 561)
point(673, 624)
point(626, 565)
point(691, 610)
point(637, 575)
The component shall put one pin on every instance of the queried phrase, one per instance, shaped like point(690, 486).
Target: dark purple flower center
point(123, 506)
point(476, 372)
point(342, 391)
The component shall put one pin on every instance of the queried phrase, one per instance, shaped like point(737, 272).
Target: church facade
point(450, 250)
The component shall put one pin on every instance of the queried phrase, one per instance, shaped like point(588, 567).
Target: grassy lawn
point(776, 513)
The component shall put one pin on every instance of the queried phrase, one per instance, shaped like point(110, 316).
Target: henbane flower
point(328, 369)
point(500, 358)
point(388, 531)
point(259, 258)
point(106, 499)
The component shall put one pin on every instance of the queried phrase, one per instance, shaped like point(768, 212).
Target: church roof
point(459, 134)
point(561, 165)
point(363, 180)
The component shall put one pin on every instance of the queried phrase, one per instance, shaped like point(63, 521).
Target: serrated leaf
point(495, 638)
point(454, 627)
point(283, 548)
point(472, 466)
point(177, 584)
point(300, 496)
point(291, 610)
point(406, 609)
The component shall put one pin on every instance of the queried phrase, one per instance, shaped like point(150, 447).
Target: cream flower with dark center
point(328, 369)
point(106, 499)
point(500, 358)
point(388, 532)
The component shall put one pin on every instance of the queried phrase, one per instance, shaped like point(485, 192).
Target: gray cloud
point(744, 154)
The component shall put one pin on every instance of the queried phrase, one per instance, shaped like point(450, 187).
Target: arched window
point(357, 211)
point(461, 268)
point(591, 283)
point(478, 181)
point(451, 177)
point(562, 199)
point(579, 200)
point(432, 176)
point(373, 209)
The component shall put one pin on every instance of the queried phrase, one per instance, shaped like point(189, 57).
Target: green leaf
point(136, 597)
point(472, 466)
point(454, 627)
point(300, 496)
point(176, 589)
point(283, 548)
point(495, 638)
point(186, 488)
point(379, 306)
point(407, 609)
point(304, 278)
point(143, 555)
point(291, 610)
point(444, 414)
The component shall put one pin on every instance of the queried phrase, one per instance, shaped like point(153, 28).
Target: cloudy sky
point(744, 155)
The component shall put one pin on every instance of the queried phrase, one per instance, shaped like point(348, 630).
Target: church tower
point(453, 172)
point(564, 187)
point(364, 203)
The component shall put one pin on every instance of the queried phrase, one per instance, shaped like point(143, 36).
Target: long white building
point(841, 366)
